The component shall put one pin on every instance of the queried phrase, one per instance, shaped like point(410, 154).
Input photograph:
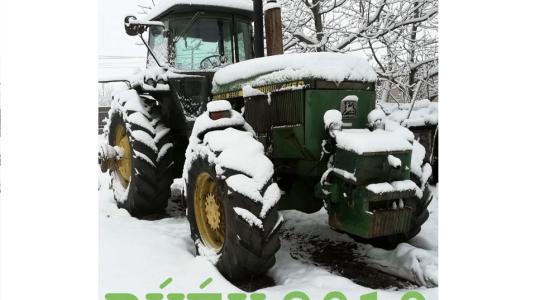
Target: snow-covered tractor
point(241, 136)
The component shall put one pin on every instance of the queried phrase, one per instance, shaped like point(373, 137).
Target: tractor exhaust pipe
point(272, 23)
point(258, 44)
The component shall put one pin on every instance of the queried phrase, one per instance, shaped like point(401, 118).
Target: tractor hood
point(333, 67)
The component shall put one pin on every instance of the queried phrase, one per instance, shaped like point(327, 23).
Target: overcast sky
point(112, 38)
point(119, 54)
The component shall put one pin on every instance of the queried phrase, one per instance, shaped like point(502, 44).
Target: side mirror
point(136, 27)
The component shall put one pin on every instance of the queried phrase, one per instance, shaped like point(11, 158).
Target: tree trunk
point(412, 73)
point(317, 19)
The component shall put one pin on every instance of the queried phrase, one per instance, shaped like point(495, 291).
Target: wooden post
point(272, 24)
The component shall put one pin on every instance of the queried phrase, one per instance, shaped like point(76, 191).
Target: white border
point(489, 150)
point(48, 210)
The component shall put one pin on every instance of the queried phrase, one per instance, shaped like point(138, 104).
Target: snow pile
point(393, 119)
point(375, 116)
point(395, 186)
point(248, 91)
point(218, 105)
point(350, 98)
point(394, 162)
point(406, 261)
point(362, 141)
point(333, 119)
point(228, 150)
point(424, 112)
point(397, 129)
point(335, 67)
point(204, 123)
point(250, 218)
point(164, 5)
point(178, 187)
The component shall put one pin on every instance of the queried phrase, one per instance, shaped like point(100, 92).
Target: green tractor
point(242, 136)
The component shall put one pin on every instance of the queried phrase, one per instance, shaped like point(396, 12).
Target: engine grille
point(257, 113)
point(388, 222)
point(287, 108)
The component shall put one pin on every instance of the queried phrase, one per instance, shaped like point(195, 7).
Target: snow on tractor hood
point(164, 5)
point(335, 67)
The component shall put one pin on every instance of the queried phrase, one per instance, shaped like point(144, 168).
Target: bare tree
point(398, 36)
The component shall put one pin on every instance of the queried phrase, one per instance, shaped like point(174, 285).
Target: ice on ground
point(335, 67)
point(362, 141)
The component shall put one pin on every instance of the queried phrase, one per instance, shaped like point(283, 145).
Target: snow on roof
point(164, 5)
point(335, 67)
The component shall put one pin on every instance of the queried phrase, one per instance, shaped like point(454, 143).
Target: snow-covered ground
point(136, 256)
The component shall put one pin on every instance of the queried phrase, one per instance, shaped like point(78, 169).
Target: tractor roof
point(167, 6)
point(334, 67)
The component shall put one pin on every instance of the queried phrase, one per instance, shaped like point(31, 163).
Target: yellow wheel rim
point(124, 164)
point(209, 213)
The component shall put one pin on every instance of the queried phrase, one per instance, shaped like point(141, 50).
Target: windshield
point(209, 42)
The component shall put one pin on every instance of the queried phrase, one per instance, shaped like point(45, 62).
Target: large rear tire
point(142, 178)
point(236, 231)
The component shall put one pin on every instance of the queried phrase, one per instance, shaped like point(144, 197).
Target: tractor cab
point(191, 40)
point(201, 38)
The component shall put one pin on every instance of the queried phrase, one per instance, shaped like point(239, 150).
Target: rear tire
point(141, 183)
point(247, 244)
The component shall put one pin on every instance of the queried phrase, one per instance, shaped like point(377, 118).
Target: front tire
point(235, 231)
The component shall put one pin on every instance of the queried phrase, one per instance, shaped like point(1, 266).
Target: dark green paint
point(296, 153)
point(319, 101)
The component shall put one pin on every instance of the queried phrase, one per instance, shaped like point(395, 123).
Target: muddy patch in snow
point(341, 258)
